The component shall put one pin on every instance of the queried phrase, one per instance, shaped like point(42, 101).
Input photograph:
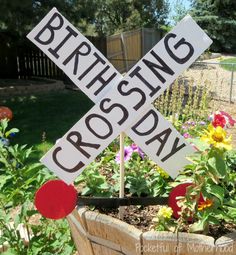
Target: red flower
point(229, 117)
point(219, 120)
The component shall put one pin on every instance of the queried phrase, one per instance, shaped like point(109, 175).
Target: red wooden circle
point(179, 191)
point(55, 199)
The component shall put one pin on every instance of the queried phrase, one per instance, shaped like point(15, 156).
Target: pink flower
point(137, 149)
point(186, 135)
point(128, 151)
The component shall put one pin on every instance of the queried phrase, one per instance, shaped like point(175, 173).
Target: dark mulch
point(139, 217)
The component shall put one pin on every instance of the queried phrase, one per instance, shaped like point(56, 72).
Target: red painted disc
point(55, 199)
point(179, 191)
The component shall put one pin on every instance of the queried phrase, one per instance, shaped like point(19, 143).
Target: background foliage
point(218, 18)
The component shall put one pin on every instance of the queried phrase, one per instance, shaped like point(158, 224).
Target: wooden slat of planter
point(226, 245)
point(82, 244)
point(159, 243)
point(79, 234)
point(113, 233)
point(99, 249)
point(195, 244)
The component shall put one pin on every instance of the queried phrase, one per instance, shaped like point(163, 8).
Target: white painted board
point(161, 142)
point(125, 103)
point(59, 39)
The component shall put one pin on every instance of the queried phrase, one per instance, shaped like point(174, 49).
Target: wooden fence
point(32, 62)
point(125, 49)
point(23, 60)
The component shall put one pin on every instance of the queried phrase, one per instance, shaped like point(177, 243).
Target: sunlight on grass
point(43, 148)
point(231, 61)
point(44, 118)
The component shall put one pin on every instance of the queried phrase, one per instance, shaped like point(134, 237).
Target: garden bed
point(97, 234)
point(101, 178)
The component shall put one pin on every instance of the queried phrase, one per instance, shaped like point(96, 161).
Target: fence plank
point(124, 53)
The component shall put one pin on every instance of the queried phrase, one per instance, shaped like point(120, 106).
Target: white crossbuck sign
point(121, 103)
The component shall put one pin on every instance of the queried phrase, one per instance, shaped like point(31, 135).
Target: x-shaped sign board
point(122, 103)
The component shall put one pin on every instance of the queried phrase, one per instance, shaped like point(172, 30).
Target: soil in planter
point(141, 218)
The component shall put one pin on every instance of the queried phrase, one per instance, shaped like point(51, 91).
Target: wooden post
point(122, 175)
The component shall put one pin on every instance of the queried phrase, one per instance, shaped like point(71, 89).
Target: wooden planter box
point(99, 234)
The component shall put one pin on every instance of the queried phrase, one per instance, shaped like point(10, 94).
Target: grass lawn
point(229, 67)
point(42, 119)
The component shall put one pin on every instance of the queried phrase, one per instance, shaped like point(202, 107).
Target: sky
point(185, 2)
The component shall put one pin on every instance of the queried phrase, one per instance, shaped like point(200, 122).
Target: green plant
point(138, 181)
point(213, 179)
point(210, 197)
point(95, 183)
point(142, 176)
point(184, 102)
point(19, 180)
point(45, 236)
point(163, 220)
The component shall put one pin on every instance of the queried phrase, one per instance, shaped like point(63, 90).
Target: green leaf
point(218, 164)
point(231, 212)
point(213, 220)
point(13, 130)
point(199, 226)
point(4, 124)
point(86, 191)
point(9, 252)
point(3, 180)
point(217, 191)
point(231, 202)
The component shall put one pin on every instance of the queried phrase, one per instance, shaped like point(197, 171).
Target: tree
point(16, 16)
point(218, 18)
point(102, 17)
point(19, 17)
point(121, 15)
point(79, 12)
point(179, 10)
point(111, 15)
point(153, 13)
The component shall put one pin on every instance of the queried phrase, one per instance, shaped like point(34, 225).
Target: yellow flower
point(162, 173)
point(165, 212)
point(217, 137)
